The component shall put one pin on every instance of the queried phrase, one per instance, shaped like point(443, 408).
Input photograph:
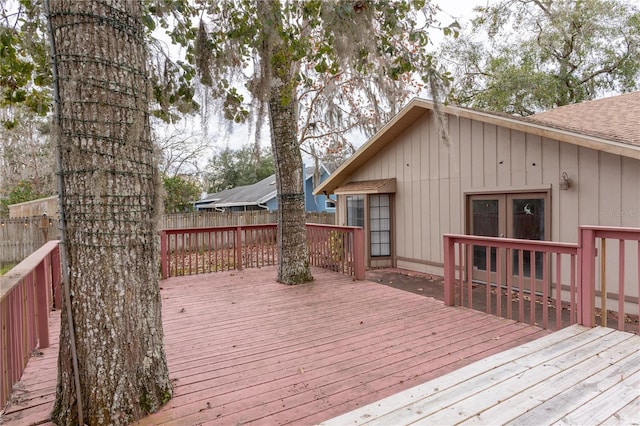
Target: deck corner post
point(43, 301)
point(164, 255)
point(358, 254)
point(449, 270)
point(586, 282)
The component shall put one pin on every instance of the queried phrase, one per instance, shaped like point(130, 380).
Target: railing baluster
point(603, 282)
point(532, 280)
point(558, 303)
point(521, 286)
point(545, 291)
point(498, 284)
point(508, 254)
point(621, 285)
point(488, 282)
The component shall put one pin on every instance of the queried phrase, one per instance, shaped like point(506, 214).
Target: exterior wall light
point(565, 182)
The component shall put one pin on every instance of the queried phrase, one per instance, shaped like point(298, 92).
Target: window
point(330, 204)
point(380, 222)
point(355, 210)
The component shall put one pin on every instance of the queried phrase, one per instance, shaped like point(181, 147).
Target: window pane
point(380, 225)
point(355, 210)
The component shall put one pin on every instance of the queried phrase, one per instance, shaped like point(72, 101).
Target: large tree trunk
point(276, 56)
point(110, 210)
point(293, 260)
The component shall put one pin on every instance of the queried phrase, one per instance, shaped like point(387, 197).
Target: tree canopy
point(231, 168)
point(525, 56)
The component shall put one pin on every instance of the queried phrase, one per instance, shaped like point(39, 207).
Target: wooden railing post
point(239, 248)
point(449, 271)
point(56, 277)
point(587, 278)
point(358, 253)
point(164, 255)
point(43, 301)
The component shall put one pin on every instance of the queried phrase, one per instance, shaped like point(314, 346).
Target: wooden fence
point(21, 237)
point(213, 219)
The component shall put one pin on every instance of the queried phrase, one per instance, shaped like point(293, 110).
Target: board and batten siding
point(433, 178)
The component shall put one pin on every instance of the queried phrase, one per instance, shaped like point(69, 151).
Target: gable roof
point(247, 195)
point(590, 131)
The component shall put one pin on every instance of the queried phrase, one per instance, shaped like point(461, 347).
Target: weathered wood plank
point(551, 398)
point(478, 370)
point(572, 373)
point(627, 415)
point(598, 409)
point(241, 347)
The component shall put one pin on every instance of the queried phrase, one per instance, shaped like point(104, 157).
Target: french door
point(510, 215)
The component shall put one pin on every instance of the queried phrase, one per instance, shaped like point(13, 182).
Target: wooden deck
point(576, 376)
point(242, 348)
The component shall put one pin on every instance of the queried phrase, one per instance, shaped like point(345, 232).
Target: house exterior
point(262, 195)
point(538, 177)
point(317, 202)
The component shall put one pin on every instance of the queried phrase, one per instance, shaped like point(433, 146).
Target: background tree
point(329, 57)
point(110, 206)
point(231, 168)
point(525, 56)
point(180, 193)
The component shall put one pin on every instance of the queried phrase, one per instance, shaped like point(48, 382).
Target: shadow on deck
point(242, 348)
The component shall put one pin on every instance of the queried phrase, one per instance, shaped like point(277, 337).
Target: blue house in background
point(262, 195)
point(317, 203)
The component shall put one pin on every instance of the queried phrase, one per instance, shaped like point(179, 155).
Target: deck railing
point(625, 247)
point(212, 249)
point(536, 277)
point(27, 294)
point(523, 268)
point(337, 248)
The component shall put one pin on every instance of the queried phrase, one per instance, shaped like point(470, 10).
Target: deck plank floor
point(576, 376)
point(242, 348)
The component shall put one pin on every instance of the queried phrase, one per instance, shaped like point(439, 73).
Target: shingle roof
point(257, 193)
point(616, 118)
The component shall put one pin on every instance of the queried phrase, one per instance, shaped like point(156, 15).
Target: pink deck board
point(243, 348)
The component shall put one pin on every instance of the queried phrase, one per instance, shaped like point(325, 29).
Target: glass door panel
point(486, 223)
point(527, 222)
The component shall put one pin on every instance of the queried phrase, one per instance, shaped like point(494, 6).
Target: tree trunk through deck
point(293, 260)
point(111, 206)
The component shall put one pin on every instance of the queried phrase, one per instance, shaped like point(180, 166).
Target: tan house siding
point(433, 179)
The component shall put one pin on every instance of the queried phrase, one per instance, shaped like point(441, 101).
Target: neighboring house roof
point(591, 130)
point(247, 195)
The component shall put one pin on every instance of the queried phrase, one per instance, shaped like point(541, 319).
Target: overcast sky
point(461, 10)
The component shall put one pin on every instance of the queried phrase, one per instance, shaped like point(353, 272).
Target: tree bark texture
point(293, 260)
point(111, 206)
point(279, 71)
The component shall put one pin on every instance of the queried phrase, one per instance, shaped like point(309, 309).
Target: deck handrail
point(516, 289)
point(583, 287)
point(587, 240)
point(27, 294)
point(210, 249)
